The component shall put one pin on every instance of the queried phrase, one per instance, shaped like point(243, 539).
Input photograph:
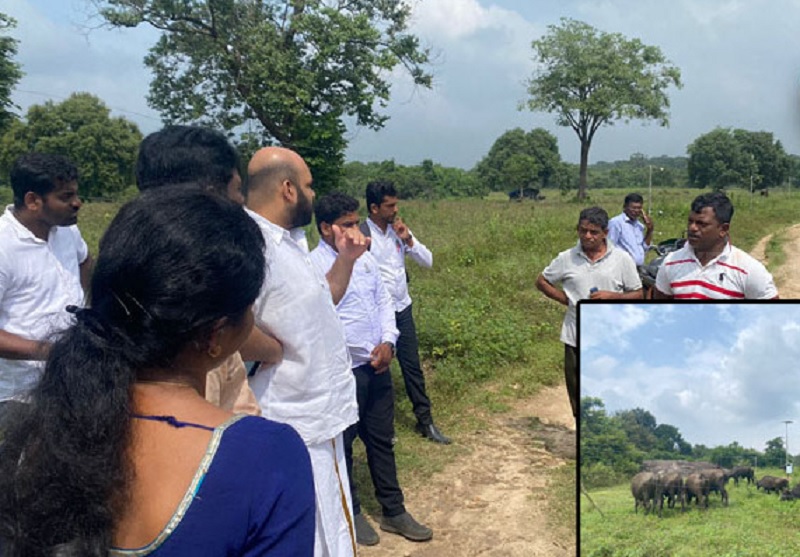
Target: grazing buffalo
point(669, 485)
point(787, 495)
point(643, 489)
point(744, 472)
point(696, 485)
point(716, 483)
point(771, 483)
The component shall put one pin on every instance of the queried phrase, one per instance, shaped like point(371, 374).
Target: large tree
point(10, 72)
point(81, 128)
point(724, 157)
point(590, 78)
point(538, 145)
point(293, 69)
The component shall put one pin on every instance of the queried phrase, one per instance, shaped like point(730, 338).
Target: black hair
point(377, 190)
point(632, 198)
point(180, 154)
point(163, 277)
point(719, 202)
point(330, 207)
point(40, 173)
point(595, 215)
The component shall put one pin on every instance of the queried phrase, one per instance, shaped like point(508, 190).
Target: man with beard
point(44, 267)
point(312, 388)
point(391, 242)
point(708, 266)
point(594, 269)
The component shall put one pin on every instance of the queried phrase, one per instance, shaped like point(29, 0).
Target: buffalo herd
point(679, 482)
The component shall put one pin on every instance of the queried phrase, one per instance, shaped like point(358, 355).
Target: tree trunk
point(583, 182)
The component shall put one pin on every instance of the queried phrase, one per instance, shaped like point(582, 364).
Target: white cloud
point(610, 324)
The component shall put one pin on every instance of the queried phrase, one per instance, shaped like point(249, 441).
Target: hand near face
point(350, 242)
point(647, 220)
point(401, 229)
point(381, 358)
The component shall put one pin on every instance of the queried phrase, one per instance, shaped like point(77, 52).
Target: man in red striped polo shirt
point(708, 266)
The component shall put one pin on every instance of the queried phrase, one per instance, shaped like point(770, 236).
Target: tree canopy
point(724, 157)
point(10, 72)
point(286, 71)
point(590, 78)
point(520, 159)
point(103, 148)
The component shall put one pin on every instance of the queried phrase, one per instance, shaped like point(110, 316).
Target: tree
point(519, 171)
point(292, 68)
point(724, 157)
point(10, 72)
point(538, 144)
point(103, 148)
point(590, 78)
point(774, 453)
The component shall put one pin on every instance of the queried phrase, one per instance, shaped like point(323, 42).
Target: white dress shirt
point(38, 279)
point(312, 388)
point(366, 309)
point(390, 253)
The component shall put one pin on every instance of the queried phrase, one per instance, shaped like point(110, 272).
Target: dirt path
point(490, 502)
point(787, 276)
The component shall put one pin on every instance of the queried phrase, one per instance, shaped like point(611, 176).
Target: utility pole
point(788, 465)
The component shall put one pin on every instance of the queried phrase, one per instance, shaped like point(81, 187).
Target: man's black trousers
point(375, 427)
point(407, 354)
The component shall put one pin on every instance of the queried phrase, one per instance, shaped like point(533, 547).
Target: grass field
point(486, 335)
point(753, 525)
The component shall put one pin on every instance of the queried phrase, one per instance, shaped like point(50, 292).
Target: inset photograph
point(689, 426)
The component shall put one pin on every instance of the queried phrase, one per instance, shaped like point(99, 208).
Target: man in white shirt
point(593, 269)
point(391, 242)
point(708, 266)
point(367, 313)
point(312, 388)
point(44, 267)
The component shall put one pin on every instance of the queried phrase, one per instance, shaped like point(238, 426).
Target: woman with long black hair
point(116, 451)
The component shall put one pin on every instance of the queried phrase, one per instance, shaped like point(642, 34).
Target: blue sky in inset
point(719, 372)
point(740, 63)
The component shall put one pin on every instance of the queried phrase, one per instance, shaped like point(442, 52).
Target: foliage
point(538, 168)
point(724, 157)
point(291, 68)
point(103, 148)
point(427, 180)
point(10, 72)
point(590, 78)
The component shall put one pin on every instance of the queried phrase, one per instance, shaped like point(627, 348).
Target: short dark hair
point(180, 154)
point(379, 189)
point(632, 198)
point(596, 216)
point(40, 173)
point(330, 207)
point(718, 201)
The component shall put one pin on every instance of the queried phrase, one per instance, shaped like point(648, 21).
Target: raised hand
point(350, 242)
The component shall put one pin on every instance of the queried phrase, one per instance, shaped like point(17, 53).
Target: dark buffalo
point(771, 483)
point(696, 485)
point(526, 193)
point(643, 489)
point(787, 495)
point(744, 472)
point(669, 485)
point(716, 483)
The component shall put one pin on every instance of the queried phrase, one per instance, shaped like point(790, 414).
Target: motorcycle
point(648, 271)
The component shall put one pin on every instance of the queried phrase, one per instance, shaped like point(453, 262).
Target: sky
point(719, 372)
point(740, 64)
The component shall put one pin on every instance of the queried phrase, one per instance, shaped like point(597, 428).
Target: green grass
point(754, 525)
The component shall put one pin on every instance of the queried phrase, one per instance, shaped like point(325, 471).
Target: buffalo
point(696, 485)
point(744, 472)
point(787, 495)
point(643, 489)
point(716, 483)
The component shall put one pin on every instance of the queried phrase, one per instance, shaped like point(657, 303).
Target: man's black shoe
point(431, 432)
point(405, 525)
point(365, 533)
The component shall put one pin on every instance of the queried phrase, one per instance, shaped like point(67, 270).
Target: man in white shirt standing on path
point(367, 313)
point(312, 388)
point(44, 267)
point(391, 242)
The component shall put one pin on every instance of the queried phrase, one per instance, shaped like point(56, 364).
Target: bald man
point(312, 388)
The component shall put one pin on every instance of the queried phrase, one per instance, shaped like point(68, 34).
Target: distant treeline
point(613, 447)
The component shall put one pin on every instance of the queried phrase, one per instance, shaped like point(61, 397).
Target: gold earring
point(215, 351)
